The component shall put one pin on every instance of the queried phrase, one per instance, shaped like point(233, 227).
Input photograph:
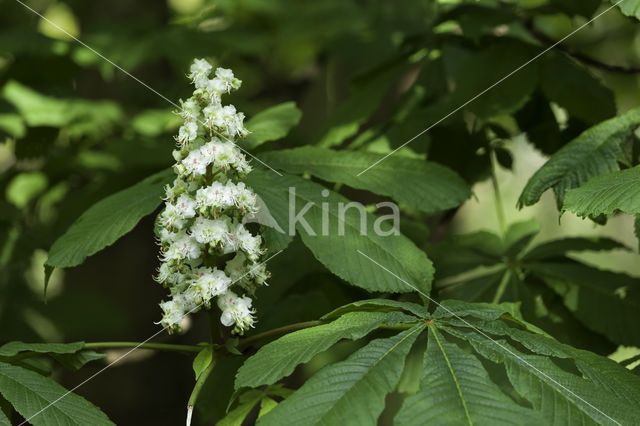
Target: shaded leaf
point(456, 389)
point(108, 220)
point(606, 194)
point(595, 152)
point(271, 124)
point(335, 237)
point(559, 248)
point(29, 393)
point(350, 392)
point(606, 302)
point(14, 348)
point(426, 186)
point(279, 358)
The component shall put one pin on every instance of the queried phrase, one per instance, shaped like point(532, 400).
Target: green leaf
point(154, 122)
point(377, 305)
point(519, 235)
point(202, 360)
point(559, 396)
point(247, 401)
point(80, 116)
point(606, 194)
point(462, 253)
point(14, 348)
point(593, 153)
point(629, 7)
point(559, 248)
point(636, 228)
point(475, 71)
point(4, 420)
point(569, 84)
point(77, 360)
point(602, 371)
point(606, 302)
point(271, 124)
point(279, 358)
point(456, 389)
point(584, 8)
point(351, 392)
point(424, 185)
point(338, 249)
point(108, 220)
point(29, 393)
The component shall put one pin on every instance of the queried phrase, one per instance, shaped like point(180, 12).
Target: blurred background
point(74, 129)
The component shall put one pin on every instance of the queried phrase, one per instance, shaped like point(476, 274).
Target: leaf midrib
point(453, 375)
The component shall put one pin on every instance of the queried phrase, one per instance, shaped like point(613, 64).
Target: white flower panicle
point(202, 223)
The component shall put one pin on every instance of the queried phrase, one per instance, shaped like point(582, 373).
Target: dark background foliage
point(365, 74)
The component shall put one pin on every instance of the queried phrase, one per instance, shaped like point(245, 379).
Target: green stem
point(496, 189)
point(198, 387)
point(138, 345)
point(502, 286)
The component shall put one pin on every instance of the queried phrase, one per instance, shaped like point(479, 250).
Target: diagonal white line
point(136, 347)
point(140, 81)
point(528, 364)
point(492, 86)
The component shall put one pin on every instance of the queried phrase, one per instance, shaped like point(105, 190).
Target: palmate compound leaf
point(334, 236)
point(350, 392)
point(559, 248)
point(606, 194)
point(279, 358)
point(595, 152)
point(559, 395)
point(106, 221)
point(424, 185)
point(605, 373)
point(456, 389)
point(460, 386)
point(571, 85)
point(606, 302)
point(29, 393)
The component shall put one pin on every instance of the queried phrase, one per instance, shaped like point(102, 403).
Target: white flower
point(236, 310)
point(188, 132)
point(189, 110)
point(227, 77)
point(194, 163)
point(200, 70)
point(174, 310)
point(245, 198)
point(210, 282)
point(209, 150)
point(216, 87)
point(170, 217)
point(168, 275)
point(205, 207)
point(185, 206)
point(247, 242)
point(184, 247)
point(211, 114)
point(226, 155)
point(206, 231)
